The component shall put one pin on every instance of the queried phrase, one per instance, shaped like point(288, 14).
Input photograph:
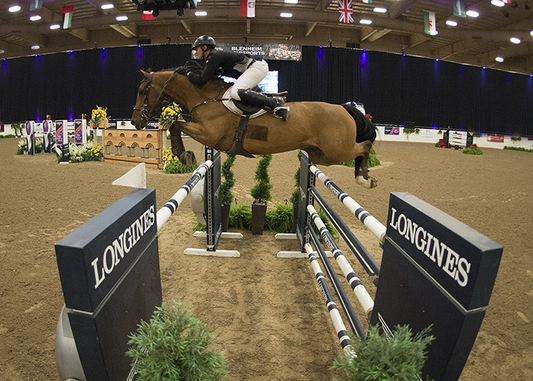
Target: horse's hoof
point(367, 183)
point(188, 158)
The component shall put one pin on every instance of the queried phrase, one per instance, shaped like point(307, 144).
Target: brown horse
point(331, 134)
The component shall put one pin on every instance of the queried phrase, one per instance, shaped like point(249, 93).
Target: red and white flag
point(247, 8)
point(148, 15)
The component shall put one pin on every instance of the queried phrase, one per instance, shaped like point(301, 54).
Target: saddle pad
point(228, 102)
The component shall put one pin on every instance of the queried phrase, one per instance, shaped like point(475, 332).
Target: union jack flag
point(345, 11)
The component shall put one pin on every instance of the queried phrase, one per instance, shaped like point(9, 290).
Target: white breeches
point(250, 78)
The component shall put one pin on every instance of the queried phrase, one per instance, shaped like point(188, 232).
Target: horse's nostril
point(132, 122)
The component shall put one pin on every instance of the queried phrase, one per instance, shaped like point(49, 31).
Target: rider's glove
point(193, 77)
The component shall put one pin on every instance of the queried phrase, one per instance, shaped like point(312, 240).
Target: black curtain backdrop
point(394, 88)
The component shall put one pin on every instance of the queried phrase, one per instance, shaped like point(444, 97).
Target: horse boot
point(275, 104)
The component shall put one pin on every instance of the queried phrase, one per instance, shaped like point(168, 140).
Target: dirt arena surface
point(268, 313)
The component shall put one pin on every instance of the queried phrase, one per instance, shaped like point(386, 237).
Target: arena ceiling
point(474, 41)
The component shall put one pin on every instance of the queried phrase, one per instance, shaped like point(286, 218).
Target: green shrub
point(174, 346)
point(179, 167)
point(226, 197)
point(240, 217)
point(399, 357)
point(279, 219)
point(473, 151)
point(518, 149)
point(261, 190)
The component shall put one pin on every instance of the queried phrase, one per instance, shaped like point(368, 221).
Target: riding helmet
point(204, 40)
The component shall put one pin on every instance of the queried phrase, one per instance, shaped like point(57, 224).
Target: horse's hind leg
point(361, 168)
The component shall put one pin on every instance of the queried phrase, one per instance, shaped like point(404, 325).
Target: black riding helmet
point(204, 40)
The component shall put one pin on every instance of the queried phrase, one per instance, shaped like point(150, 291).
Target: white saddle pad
point(228, 102)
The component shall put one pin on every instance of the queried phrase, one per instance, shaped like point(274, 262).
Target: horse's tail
point(366, 130)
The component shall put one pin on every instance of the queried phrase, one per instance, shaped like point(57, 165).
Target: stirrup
point(283, 112)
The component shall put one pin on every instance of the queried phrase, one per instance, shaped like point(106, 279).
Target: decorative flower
point(169, 156)
point(170, 113)
point(98, 114)
point(97, 152)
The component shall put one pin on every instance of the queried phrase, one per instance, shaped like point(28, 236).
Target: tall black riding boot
point(275, 104)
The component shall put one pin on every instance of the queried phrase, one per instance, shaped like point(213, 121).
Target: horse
point(329, 133)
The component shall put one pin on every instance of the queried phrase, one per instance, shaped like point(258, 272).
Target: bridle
point(146, 113)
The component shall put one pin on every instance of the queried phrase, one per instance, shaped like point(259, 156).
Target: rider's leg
point(241, 90)
point(250, 78)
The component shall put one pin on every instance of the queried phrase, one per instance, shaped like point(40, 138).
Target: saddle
point(246, 111)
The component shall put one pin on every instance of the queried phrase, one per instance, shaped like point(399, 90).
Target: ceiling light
point(122, 18)
point(380, 10)
point(499, 59)
point(35, 47)
point(472, 13)
point(35, 17)
point(200, 13)
point(107, 6)
point(291, 1)
point(365, 21)
point(286, 14)
point(498, 3)
point(55, 26)
point(2, 51)
point(451, 22)
point(515, 40)
point(14, 8)
point(531, 33)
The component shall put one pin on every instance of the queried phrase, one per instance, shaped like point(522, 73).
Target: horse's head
point(150, 98)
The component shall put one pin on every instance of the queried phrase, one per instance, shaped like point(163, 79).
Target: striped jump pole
point(355, 283)
point(366, 218)
point(334, 313)
point(170, 207)
point(353, 320)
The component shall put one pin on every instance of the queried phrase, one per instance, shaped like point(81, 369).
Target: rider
point(248, 72)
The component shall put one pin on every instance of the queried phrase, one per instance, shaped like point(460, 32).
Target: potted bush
point(261, 194)
point(174, 345)
point(226, 196)
point(400, 356)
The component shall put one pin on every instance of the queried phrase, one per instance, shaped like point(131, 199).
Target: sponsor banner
point(392, 130)
point(495, 138)
point(427, 133)
point(282, 52)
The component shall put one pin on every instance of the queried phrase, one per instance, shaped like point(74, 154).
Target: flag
point(67, 16)
point(247, 8)
point(36, 4)
point(148, 15)
point(345, 11)
point(430, 25)
point(459, 8)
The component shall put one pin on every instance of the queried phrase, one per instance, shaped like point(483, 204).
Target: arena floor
point(268, 314)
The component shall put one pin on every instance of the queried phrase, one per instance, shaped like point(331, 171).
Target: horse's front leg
point(178, 148)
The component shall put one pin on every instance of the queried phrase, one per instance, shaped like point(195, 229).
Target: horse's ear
point(144, 73)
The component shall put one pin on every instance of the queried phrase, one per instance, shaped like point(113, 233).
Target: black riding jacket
point(220, 62)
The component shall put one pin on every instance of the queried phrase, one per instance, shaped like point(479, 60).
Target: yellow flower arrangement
point(169, 156)
point(170, 113)
point(98, 114)
point(97, 152)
